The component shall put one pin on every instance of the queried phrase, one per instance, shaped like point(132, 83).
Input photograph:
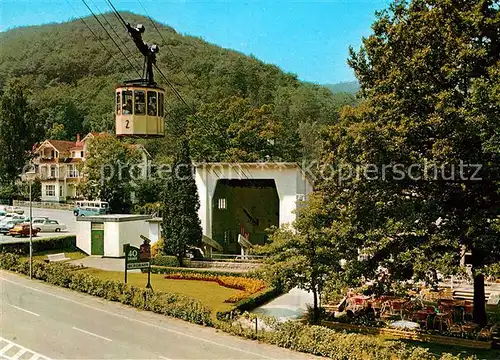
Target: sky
point(307, 38)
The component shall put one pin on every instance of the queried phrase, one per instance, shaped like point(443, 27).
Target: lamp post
point(29, 174)
point(31, 235)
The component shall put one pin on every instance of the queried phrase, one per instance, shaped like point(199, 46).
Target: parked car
point(2, 214)
point(15, 209)
point(12, 216)
point(22, 229)
point(48, 225)
point(5, 227)
point(6, 217)
point(36, 218)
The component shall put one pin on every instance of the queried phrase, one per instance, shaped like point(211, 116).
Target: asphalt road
point(65, 216)
point(57, 323)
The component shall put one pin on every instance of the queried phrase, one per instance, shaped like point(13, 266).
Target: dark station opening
point(246, 207)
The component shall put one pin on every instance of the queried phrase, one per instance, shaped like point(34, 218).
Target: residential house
point(58, 165)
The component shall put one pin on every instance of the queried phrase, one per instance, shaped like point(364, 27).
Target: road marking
point(18, 354)
point(21, 350)
point(141, 322)
point(91, 333)
point(20, 308)
point(7, 348)
point(164, 358)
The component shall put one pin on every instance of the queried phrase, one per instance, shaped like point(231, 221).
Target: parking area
point(64, 216)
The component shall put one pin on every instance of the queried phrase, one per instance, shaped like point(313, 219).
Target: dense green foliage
point(110, 168)
point(41, 244)
point(19, 130)
point(431, 105)
point(72, 79)
point(165, 260)
point(181, 224)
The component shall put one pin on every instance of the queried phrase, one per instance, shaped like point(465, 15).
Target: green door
point(97, 238)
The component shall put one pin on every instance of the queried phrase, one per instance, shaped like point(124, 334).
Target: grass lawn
point(71, 253)
point(210, 294)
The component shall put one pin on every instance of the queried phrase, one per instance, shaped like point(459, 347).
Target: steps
point(468, 294)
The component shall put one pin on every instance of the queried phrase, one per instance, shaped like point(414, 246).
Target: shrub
point(157, 249)
point(321, 341)
point(165, 260)
point(42, 244)
point(171, 270)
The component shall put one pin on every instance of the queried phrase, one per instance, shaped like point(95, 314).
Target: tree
point(57, 132)
point(19, 131)
point(422, 147)
point(109, 170)
point(234, 130)
point(303, 256)
point(181, 224)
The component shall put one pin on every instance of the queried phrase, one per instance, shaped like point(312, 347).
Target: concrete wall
point(291, 185)
point(111, 239)
point(116, 234)
point(56, 197)
point(83, 236)
point(154, 231)
point(130, 232)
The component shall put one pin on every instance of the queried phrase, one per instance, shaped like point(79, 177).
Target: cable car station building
point(247, 198)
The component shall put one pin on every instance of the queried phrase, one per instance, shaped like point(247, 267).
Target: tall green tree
point(109, 172)
point(181, 224)
point(19, 131)
point(422, 149)
point(303, 256)
point(234, 130)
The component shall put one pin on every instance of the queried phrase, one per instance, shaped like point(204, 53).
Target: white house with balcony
point(58, 165)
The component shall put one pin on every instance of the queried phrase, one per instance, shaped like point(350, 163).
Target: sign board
point(138, 258)
point(134, 260)
point(139, 265)
point(145, 250)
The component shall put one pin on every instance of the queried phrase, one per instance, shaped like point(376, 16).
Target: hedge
point(165, 260)
point(41, 244)
point(173, 270)
point(321, 341)
point(68, 276)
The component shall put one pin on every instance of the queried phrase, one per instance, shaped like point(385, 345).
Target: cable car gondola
point(139, 104)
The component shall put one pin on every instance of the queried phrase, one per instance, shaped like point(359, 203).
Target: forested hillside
point(246, 110)
point(350, 87)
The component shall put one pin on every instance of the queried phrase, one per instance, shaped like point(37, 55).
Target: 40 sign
point(138, 258)
point(134, 260)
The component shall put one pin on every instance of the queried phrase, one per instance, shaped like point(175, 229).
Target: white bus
point(89, 208)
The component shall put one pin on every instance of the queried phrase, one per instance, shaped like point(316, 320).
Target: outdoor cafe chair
point(441, 319)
